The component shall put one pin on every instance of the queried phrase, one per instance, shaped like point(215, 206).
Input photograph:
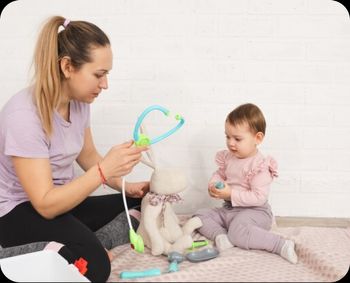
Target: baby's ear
point(259, 137)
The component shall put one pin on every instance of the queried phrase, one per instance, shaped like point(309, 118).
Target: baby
point(243, 180)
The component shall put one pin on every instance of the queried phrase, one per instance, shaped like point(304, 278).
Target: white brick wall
point(201, 58)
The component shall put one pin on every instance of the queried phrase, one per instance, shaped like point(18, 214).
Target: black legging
point(74, 229)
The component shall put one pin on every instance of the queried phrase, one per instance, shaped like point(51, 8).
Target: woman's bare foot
point(110, 255)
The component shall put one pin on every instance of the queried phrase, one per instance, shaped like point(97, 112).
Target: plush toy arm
point(191, 225)
point(171, 224)
point(151, 214)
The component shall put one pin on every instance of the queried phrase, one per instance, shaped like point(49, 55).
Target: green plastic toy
point(136, 241)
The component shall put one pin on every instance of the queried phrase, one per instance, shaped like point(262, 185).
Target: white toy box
point(41, 266)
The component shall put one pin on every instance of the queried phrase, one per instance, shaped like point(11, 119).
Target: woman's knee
point(97, 261)
point(99, 265)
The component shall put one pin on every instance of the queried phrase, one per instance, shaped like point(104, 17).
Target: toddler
point(243, 180)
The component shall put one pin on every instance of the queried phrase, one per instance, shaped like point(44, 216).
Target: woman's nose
point(104, 82)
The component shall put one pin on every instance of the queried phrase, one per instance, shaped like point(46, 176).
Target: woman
point(44, 129)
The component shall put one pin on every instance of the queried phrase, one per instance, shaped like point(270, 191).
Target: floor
point(283, 221)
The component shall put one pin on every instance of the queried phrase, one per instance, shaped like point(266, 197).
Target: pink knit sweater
point(249, 178)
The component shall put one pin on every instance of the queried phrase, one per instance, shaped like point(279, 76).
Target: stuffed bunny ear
point(146, 162)
point(150, 155)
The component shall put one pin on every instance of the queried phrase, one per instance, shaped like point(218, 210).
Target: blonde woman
point(44, 129)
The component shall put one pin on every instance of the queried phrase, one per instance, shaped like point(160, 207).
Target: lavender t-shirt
point(21, 134)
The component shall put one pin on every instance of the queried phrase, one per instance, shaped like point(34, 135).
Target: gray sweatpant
point(246, 227)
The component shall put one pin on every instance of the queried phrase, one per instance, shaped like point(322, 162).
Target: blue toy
point(219, 185)
point(140, 274)
point(174, 258)
point(202, 255)
point(141, 139)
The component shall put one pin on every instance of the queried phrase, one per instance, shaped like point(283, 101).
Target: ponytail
point(75, 41)
point(47, 82)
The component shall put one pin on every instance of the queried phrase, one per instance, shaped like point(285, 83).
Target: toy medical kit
point(141, 139)
point(136, 240)
point(81, 264)
point(43, 266)
point(199, 243)
point(174, 258)
point(138, 274)
point(219, 185)
point(202, 255)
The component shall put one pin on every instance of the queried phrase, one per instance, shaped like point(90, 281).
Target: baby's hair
point(250, 114)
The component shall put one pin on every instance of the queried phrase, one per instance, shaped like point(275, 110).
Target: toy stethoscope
point(136, 240)
point(141, 139)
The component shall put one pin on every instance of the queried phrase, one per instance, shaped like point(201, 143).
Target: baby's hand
point(211, 189)
point(219, 185)
point(220, 191)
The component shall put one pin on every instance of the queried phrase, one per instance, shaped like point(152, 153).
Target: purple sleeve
point(24, 136)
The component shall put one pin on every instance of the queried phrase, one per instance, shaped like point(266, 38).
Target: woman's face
point(86, 83)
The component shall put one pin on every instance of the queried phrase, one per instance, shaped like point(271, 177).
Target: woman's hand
point(136, 190)
point(224, 193)
point(121, 159)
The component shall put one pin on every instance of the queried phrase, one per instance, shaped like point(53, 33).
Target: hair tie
point(66, 22)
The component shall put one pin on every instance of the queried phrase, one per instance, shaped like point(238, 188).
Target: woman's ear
point(66, 66)
point(259, 137)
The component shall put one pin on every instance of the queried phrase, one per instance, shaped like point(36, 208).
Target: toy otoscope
point(136, 240)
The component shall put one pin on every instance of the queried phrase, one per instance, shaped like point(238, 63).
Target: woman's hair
point(75, 40)
point(250, 114)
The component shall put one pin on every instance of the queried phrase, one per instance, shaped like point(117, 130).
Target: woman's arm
point(89, 157)
point(36, 178)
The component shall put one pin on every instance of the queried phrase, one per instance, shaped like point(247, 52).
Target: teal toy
point(143, 140)
point(219, 185)
point(138, 274)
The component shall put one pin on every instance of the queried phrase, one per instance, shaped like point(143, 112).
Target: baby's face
point(241, 141)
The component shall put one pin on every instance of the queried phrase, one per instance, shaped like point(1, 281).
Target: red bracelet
point(103, 178)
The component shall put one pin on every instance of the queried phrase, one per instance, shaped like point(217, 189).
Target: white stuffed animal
point(159, 225)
